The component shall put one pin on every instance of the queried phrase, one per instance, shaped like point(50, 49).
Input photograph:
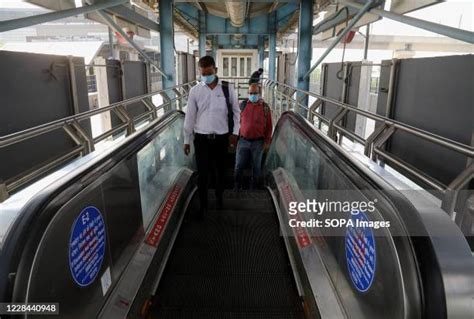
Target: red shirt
point(252, 122)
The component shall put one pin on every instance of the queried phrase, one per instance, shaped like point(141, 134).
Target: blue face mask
point(253, 98)
point(208, 79)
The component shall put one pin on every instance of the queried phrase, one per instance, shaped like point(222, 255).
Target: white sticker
point(106, 281)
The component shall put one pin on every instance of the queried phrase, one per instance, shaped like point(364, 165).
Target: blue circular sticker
point(360, 252)
point(87, 246)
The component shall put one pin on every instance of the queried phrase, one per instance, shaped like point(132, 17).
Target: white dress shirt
point(207, 111)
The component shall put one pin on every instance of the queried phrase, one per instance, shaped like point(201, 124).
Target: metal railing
point(240, 83)
point(85, 142)
point(282, 97)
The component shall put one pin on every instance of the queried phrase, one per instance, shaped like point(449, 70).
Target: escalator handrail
point(13, 243)
point(432, 257)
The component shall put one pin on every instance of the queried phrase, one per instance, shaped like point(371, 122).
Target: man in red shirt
point(255, 135)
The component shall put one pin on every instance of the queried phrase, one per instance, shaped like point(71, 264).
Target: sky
point(453, 13)
point(15, 4)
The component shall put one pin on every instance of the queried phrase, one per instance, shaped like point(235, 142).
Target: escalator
point(114, 236)
point(232, 265)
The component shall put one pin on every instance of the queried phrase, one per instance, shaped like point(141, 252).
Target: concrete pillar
point(167, 45)
point(305, 33)
point(261, 50)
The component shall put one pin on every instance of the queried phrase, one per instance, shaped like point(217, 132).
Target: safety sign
point(87, 246)
point(360, 253)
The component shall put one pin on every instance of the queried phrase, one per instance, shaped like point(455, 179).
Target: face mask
point(253, 98)
point(208, 79)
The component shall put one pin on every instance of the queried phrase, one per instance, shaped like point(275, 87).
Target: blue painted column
point(272, 57)
point(272, 45)
point(261, 50)
point(202, 34)
point(167, 45)
point(305, 51)
point(214, 46)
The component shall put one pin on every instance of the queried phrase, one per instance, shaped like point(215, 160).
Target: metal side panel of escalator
point(420, 266)
point(71, 241)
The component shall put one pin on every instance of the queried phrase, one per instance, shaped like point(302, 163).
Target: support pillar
point(261, 51)
point(272, 47)
point(167, 45)
point(272, 57)
point(305, 34)
point(202, 34)
point(214, 47)
point(202, 44)
point(366, 43)
point(111, 44)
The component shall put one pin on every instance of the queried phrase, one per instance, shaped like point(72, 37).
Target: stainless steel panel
point(436, 95)
point(36, 89)
point(134, 83)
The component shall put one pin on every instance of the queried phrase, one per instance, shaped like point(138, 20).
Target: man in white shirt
point(213, 119)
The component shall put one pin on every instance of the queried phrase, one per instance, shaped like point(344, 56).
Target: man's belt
point(252, 139)
point(212, 136)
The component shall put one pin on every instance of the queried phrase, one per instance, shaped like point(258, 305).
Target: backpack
point(266, 110)
point(230, 113)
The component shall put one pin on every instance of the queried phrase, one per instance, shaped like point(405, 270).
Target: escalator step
point(243, 201)
point(229, 292)
point(231, 265)
point(233, 242)
point(201, 313)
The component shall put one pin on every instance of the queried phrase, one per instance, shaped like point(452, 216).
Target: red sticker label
point(300, 233)
point(154, 236)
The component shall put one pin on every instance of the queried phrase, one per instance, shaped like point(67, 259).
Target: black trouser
point(210, 153)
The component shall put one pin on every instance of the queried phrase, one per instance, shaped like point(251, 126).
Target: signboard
point(360, 253)
point(87, 246)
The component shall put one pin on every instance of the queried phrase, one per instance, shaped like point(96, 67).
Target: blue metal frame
point(261, 51)
point(252, 34)
point(272, 25)
point(167, 45)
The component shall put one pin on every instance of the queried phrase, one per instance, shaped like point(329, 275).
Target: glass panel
point(158, 164)
point(242, 67)
point(249, 66)
point(225, 67)
point(233, 66)
point(311, 172)
point(109, 211)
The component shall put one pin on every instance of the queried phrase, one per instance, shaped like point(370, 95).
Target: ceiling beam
point(19, 23)
point(134, 17)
